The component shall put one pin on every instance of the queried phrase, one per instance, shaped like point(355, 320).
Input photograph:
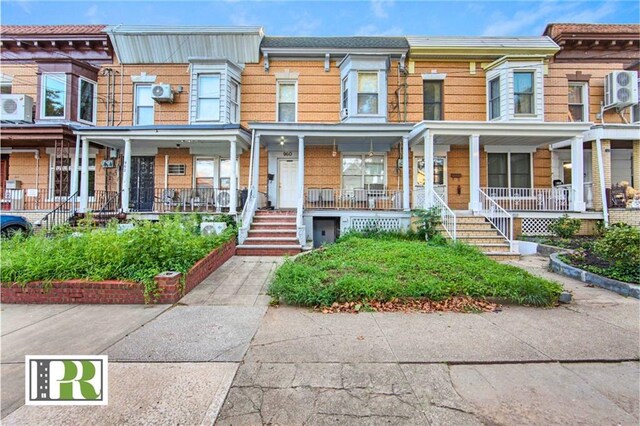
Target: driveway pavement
point(282, 365)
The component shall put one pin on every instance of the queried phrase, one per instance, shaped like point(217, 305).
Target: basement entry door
point(142, 183)
point(287, 181)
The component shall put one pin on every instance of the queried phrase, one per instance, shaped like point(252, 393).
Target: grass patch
point(172, 244)
point(358, 268)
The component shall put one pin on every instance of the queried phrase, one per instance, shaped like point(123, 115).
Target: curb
point(622, 288)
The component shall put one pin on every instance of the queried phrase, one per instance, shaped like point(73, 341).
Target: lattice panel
point(378, 223)
point(536, 226)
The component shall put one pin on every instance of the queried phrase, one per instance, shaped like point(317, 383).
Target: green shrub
point(429, 220)
point(565, 227)
point(620, 246)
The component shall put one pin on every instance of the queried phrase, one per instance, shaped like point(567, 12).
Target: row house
point(304, 138)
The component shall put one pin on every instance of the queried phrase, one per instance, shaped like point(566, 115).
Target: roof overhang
point(35, 134)
point(613, 132)
point(480, 47)
point(321, 52)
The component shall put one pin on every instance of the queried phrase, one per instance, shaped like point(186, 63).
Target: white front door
point(287, 179)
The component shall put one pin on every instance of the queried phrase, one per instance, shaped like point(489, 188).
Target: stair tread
point(271, 239)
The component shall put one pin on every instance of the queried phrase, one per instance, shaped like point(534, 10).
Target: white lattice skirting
point(376, 223)
point(536, 226)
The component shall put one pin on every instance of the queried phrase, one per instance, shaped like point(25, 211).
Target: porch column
point(474, 173)
point(233, 204)
point(577, 175)
point(300, 175)
point(84, 177)
point(406, 203)
point(76, 167)
point(126, 175)
point(255, 180)
point(428, 169)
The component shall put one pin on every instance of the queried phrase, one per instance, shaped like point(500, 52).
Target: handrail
point(501, 219)
point(114, 196)
point(246, 216)
point(447, 216)
point(53, 217)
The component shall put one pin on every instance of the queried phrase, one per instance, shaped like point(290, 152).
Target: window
point(177, 170)
point(60, 171)
point(345, 93)
point(87, 101)
point(208, 108)
point(225, 173)
point(234, 102)
point(5, 84)
point(143, 105)
point(635, 110)
point(523, 92)
point(509, 170)
point(432, 90)
point(360, 171)
point(368, 93)
point(494, 98)
point(204, 173)
point(578, 102)
point(54, 93)
point(286, 101)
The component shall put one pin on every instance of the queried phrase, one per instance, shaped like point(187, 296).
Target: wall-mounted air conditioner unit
point(620, 89)
point(344, 113)
point(108, 164)
point(17, 108)
point(162, 93)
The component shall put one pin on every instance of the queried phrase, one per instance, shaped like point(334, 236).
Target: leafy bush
point(429, 220)
point(620, 246)
point(359, 269)
point(565, 227)
point(172, 244)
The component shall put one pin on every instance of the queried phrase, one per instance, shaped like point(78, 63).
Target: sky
point(326, 18)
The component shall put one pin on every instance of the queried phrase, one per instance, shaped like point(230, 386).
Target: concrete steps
point(272, 233)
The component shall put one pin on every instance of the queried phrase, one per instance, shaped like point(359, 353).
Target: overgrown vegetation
point(565, 227)
point(428, 221)
point(172, 244)
point(359, 269)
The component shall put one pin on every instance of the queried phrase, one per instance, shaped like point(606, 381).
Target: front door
point(287, 178)
point(142, 183)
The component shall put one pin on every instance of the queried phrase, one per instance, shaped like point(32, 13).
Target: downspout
point(166, 171)
point(603, 190)
point(121, 94)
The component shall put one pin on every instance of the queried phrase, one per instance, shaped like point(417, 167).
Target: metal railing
point(447, 216)
point(501, 219)
point(557, 199)
point(61, 214)
point(353, 199)
point(167, 200)
point(29, 199)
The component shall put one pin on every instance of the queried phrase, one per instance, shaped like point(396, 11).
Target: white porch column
point(428, 168)
point(255, 180)
point(84, 177)
point(76, 167)
point(233, 157)
point(126, 175)
point(300, 175)
point(577, 174)
point(474, 173)
point(406, 201)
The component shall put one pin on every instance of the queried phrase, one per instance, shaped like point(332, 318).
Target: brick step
point(272, 233)
point(503, 256)
point(260, 241)
point(263, 226)
point(477, 233)
point(472, 226)
point(274, 219)
point(264, 250)
point(275, 213)
point(487, 248)
point(470, 219)
point(479, 241)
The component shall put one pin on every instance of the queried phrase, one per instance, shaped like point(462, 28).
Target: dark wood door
point(4, 173)
point(142, 183)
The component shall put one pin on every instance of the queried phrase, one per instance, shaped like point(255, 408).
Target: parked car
point(9, 225)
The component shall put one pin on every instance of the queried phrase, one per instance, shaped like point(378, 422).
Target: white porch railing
point(418, 194)
point(353, 199)
point(588, 195)
point(501, 219)
point(447, 216)
point(246, 216)
point(556, 199)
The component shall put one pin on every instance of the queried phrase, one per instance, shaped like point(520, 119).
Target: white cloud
point(380, 8)
point(93, 14)
point(241, 18)
point(533, 20)
point(303, 24)
point(374, 30)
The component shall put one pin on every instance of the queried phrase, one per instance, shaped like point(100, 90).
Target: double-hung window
point(143, 105)
point(345, 93)
point(208, 97)
point(54, 95)
point(509, 170)
point(368, 93)
point(60, 176)
point(286, 102)
point(362, 171)
point(234, 102)
point(432, 90)
point(87, 101)
point(204, 175)
point(494, 98)
point(523, 93)
point(578, 102)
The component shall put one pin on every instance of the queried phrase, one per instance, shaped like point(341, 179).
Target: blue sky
point(364, 17)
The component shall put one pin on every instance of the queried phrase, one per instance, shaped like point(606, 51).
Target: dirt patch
point(461, 304)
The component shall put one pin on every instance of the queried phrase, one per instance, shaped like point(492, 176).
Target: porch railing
point(418, 194)
point(29, 199)
point(447, 216)
point(104, 202)
point(353, 199)
point(60, 215)
point(557, 199)
point(167, 200)
point(501, 219)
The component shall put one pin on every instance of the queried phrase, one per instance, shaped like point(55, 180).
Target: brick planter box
point(117, 292)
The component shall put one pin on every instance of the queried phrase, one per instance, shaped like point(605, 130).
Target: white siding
point(226, 70)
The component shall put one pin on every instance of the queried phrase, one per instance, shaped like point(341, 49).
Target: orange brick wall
point(25, 78)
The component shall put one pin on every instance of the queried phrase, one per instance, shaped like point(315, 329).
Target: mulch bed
point(462, 304)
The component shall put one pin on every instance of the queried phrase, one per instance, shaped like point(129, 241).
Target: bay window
point(523, 92)
point(54, 95)
point(362, 171)
point(143, 105)
point(87, 101)
point(208, 108)
point(578, 102)
point(345, 93)
point(286, 102)
point(368, 93)
point(509, 170)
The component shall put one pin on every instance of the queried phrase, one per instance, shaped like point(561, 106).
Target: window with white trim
point(234, 101)
point(345, 93)
point(287, 101)
point(363, 170)
point(494, 98)
point(143, 105)
point(208, 108)
point(87, 101)
point(54, 95)
point(432, 99)
point(523, 92)
point(204, 173)
point(368, 93)
point(6, 84)
point(509, 170)
point(225, 173)
point(578, 101)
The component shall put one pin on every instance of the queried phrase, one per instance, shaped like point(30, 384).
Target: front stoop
point(476, 231)
point(272, 233)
